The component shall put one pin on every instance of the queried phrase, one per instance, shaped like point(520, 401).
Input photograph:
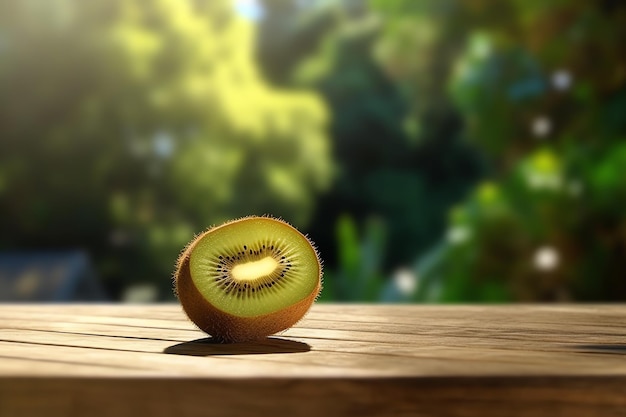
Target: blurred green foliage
point(540, 86)
point(384, 172)
point(359, 274)
point(457, 150)
point(428, 97)
point(128, 126)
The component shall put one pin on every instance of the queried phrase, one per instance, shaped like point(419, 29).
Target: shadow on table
point(603, 348)
point(209, 347)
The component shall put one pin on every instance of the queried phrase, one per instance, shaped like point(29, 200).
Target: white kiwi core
point(251, 271)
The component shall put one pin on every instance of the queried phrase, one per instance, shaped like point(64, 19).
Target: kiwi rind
point(228, 327)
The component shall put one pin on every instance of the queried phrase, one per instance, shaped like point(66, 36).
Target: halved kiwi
point(248, 278)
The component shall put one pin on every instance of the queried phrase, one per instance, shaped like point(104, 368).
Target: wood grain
point(366, 360)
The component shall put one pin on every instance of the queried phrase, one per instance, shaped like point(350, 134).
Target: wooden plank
point(341, 359)
point(319, 397)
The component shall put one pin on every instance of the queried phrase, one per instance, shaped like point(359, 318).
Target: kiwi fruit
point(248, 278)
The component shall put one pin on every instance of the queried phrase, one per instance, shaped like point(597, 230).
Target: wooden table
point(353, 360)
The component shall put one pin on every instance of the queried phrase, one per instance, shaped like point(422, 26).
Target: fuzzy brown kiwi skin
point(223, 326)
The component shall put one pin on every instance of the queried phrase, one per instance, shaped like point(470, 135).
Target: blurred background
point(448, 151)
